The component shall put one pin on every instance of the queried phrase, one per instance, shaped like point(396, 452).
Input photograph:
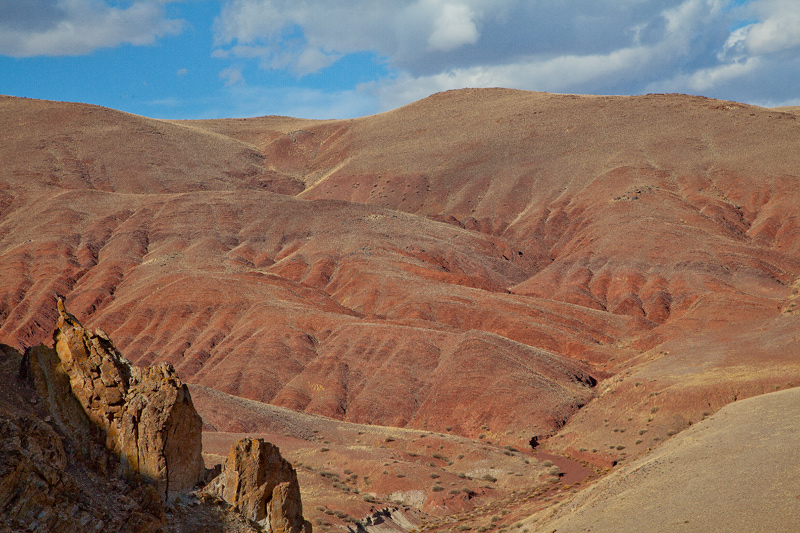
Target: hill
point(600, 273)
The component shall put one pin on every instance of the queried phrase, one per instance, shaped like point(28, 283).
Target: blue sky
point(317, 59)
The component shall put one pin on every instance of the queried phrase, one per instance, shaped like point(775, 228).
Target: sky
point(344, 59)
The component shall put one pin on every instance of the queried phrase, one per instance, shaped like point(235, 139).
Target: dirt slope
point(481, 258)
point(736, 471)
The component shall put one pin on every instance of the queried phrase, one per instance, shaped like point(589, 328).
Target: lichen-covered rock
point(145, 416)
point(262, 485)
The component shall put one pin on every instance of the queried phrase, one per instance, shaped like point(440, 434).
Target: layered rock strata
point(263, 486)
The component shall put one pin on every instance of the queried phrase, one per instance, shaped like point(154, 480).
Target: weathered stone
point(262, 485)
point(144, 415)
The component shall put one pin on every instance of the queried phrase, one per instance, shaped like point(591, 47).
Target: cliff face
point(53, 476)
point(81, 428)
point(144, 416)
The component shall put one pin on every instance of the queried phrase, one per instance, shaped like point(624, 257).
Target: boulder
point(258, 482)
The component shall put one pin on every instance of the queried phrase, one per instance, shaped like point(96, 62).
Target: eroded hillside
point(603, 271)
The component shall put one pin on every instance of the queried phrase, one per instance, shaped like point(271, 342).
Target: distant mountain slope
point(62, 146)
point(478, 259)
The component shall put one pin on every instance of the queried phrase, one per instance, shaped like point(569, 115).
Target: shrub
point(547, 463)
point(437, 488)
point(434, 475)
point(489, 477)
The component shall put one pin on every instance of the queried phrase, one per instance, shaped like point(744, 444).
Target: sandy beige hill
point(736, 471)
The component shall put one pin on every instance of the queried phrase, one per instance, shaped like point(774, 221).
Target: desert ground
point(404, 302)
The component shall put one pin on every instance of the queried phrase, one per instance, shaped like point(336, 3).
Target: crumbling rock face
point(262, 485)
point(144, 416)
point(41, 490)
point(100, 417)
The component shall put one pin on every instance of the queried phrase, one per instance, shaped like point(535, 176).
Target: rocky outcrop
point(90, 442)
point(144, 416)
point(263, 486)
point(46, 483)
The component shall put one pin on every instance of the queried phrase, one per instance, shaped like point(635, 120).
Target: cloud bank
point(723, 48)
point(76, 27)
point(297, 52)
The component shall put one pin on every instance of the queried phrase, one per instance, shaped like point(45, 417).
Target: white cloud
point(181, 72)
point(232, 75)
point(454, 27)
point(703, 80)
point(558, 74)
point(778, 30)
point(581, 46)
point(75, 27)
point(242, 100)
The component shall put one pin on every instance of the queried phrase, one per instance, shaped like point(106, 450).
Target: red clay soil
point(497, 262)
point(571, 471)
